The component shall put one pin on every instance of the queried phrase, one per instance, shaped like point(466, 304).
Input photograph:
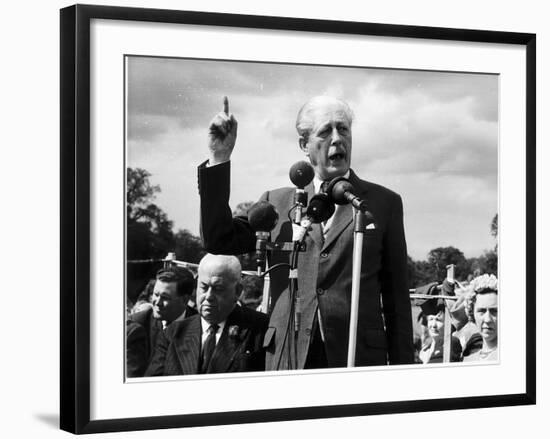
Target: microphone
point(262, 217)
point(301, 174)
point(341, 191)
point(320, 209)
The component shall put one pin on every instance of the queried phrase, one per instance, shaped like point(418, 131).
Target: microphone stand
point(360, 225)
point(295, 311)
point(290, 341)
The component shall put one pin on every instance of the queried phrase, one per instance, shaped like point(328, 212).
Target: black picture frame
point(75, 217)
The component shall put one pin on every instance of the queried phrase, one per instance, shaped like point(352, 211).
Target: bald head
point(218, 286)
point(225, 265)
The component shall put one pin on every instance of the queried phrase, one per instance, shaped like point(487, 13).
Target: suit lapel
point(229, 344)
point(188, 347)
point(343, 216)
point(342, 219)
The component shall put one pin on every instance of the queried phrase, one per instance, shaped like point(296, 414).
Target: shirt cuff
point(208, 165)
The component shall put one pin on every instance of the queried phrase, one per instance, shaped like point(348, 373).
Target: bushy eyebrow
point(328, 126)
point(215, 284)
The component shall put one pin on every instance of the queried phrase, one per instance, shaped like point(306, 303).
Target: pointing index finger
point(226, 105)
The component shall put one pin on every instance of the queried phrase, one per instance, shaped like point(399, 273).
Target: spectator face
point(436, 326)
point(486, 316)
point(328, 145)
point(167, 305)
point(217, 290)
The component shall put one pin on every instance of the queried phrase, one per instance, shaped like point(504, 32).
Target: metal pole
point(266, 295)
point(170, 257)
point(447, 333)
point(360, 225)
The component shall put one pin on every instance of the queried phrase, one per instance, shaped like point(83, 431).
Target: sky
point(430, 136)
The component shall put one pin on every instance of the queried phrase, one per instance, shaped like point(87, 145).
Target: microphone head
point(262, 216)
point(337, 189)
point(301, 174)
point(320, 208)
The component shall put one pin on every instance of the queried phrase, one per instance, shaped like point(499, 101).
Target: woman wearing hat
point(433, 311)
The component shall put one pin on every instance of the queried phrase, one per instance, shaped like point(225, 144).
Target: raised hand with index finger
point(222, 134)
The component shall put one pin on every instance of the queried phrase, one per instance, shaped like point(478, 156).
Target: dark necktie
point(208, 347)
point(324, 189)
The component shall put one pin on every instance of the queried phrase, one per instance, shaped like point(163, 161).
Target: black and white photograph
point(273, 218)
point(293, 216)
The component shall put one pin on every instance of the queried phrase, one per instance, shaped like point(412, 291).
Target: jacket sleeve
point(221, 233)
point(395, 290)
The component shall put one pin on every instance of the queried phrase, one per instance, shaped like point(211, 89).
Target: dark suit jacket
point(136, 350)
point(140, 343)
point(239, 348)
point(325, 272)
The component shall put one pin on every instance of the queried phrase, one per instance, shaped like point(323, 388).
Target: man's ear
point(303, 144)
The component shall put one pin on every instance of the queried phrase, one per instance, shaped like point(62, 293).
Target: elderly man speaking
point(223, 337)
point(384, 333)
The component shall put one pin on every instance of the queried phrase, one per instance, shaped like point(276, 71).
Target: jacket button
point(320, 291)
point(308, 331)
point(324, 255)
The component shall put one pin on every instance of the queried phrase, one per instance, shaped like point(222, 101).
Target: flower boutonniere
point(233, 331)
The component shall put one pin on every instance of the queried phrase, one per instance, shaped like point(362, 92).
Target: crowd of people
point(179, 302)
point(197, 326)
point(210, 324)
point(473, 314)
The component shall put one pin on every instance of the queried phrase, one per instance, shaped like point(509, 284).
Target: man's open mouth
point(337, 156)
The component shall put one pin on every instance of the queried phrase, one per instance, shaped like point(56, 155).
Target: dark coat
point(325, 272)
point(136, 350)
point(239, 348)
point(141, 343)
point(437, 355)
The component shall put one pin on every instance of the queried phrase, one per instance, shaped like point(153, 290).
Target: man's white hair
point(228, 263)
point(304, 120)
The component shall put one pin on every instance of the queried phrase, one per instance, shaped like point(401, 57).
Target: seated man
point(224, 337)
point(173, 289)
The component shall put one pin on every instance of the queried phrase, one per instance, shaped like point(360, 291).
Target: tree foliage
point(188, 247)
point(149, 231)
point(433, 269)
point(242, 208)
point(494, 226)
point(440, 257)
